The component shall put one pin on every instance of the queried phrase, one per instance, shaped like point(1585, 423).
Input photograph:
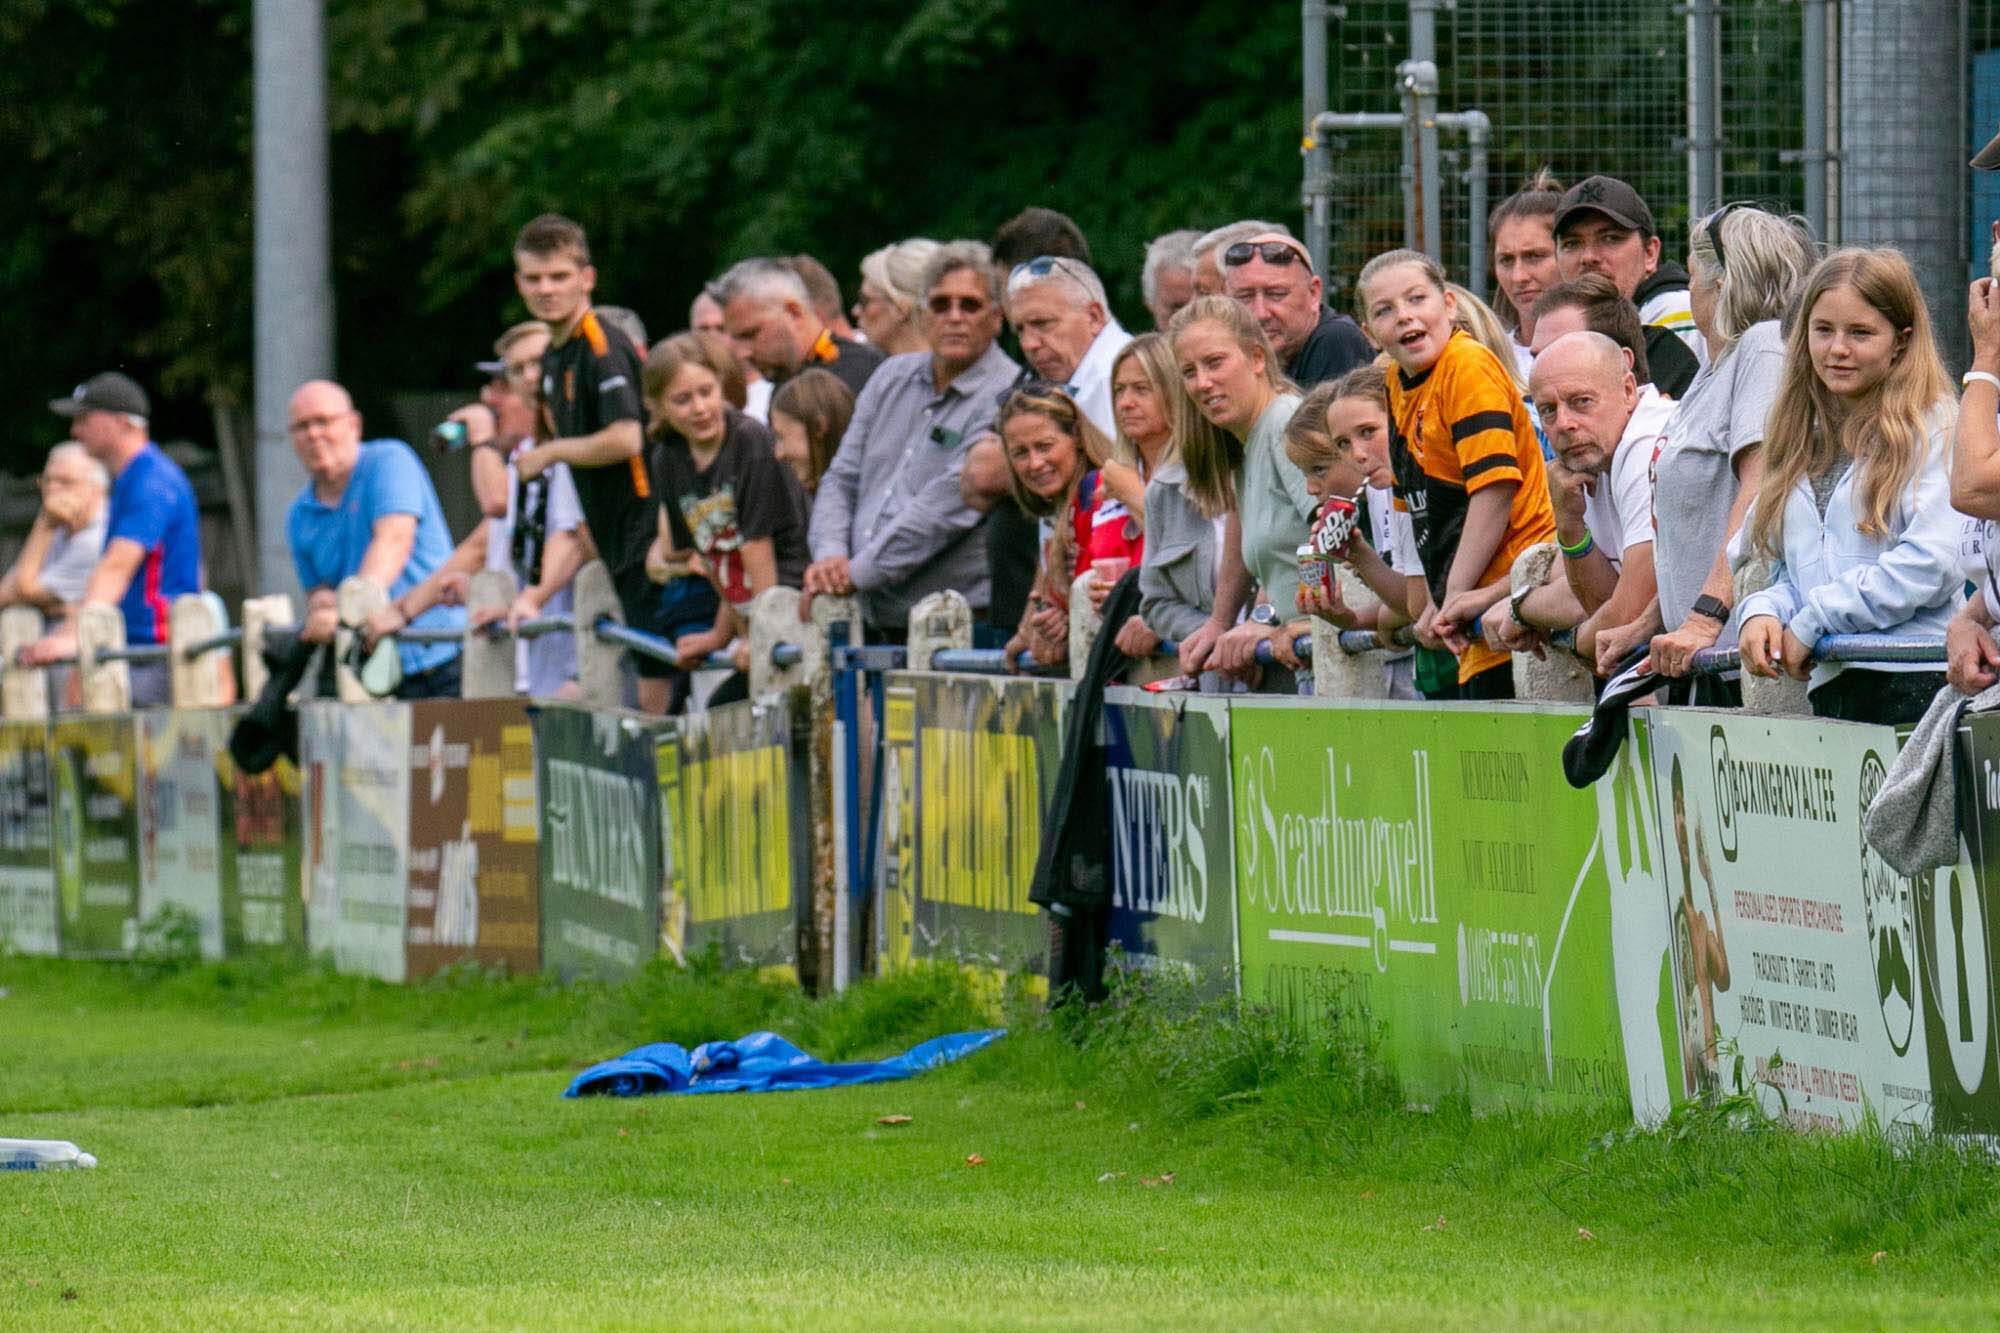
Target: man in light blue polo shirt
point(368, 510)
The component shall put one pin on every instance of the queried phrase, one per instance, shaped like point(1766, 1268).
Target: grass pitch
point(285, 1148)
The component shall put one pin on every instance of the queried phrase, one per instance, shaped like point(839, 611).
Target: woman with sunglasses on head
point(1237, 471)
point(1054, 457)
point(1745, 268)
point(1854, 501)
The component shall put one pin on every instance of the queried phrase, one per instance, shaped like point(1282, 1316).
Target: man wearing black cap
point(152, 539)
point(1603, 226)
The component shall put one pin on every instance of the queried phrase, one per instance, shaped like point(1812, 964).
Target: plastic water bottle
point(42, 1155)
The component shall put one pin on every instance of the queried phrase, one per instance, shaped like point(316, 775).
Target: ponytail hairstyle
point(1055, 405)
point(1211, 454)
point(1887, 433)
point(1757, 260)
point(1539, 198)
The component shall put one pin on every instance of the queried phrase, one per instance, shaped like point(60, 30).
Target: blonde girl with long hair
point(1854, 501)
point(1237, 470)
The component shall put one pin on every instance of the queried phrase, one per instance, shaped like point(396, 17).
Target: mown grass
point(282, 1147)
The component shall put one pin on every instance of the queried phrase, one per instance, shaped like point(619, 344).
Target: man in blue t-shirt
point(152, 536)
point(368, 510)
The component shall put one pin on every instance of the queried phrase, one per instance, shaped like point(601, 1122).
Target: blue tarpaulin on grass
point(760, 1062)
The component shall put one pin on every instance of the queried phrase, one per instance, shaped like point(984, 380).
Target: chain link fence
point(1586, 86)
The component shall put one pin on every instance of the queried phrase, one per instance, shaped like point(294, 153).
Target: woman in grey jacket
point(1854, 502)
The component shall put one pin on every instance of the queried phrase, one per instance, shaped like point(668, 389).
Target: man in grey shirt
point(888, 521)
point(67, 538)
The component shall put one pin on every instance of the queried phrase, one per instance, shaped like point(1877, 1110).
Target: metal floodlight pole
point(1704, 91)
point(293, 318)
point(1318, 187)
point(1814, 33)
point(1423, 74)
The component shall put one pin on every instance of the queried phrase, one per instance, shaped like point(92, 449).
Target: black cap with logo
point(109, 392)
point(1609, 197)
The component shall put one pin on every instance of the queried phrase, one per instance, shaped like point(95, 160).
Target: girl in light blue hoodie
point(1854, 504)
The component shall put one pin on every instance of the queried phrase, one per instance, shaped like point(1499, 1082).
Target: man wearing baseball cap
point(152, 538)
point(1603, 226)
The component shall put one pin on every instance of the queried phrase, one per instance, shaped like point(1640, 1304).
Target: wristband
point(1982, 376)
point(1581, 549)
point(1713, 607)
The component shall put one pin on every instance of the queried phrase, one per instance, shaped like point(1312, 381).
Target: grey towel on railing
point(1913, 820)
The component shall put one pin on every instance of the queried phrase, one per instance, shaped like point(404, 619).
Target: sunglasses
point(965, 305)
point(1712, 224)
point(1041, 266)
point(1271, 252)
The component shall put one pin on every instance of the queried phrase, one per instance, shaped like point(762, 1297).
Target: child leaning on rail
point(1854, 503)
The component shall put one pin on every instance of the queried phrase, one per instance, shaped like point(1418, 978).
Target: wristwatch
point(1264, 615)
point(1713, 607)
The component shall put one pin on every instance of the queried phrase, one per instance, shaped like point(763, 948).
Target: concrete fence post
point(260, 616)
point(107, 686)
point(356, 600)
point(1086, 621)
point(1560, 677)
point(194, 618)
point(774, 619)
point(486, 661)
point(600, 680)
point(24, 691)
point(1337, 673)
point(1782, 697)
point(941, 620)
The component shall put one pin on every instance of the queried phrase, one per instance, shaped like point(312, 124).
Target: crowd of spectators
point(1680, 417)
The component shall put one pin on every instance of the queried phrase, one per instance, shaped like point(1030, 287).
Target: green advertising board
point(94, 776)
point(1423, 880)
point(27, 865)
point(742, 865)
point(986, 753)
point(597, 779)
point(1173, 867)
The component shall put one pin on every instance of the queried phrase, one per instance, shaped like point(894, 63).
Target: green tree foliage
point(683, 134)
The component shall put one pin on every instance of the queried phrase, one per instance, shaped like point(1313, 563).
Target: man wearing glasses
point(1271, 276)
point(368, 510)
point(888, 521)
point(152, 542)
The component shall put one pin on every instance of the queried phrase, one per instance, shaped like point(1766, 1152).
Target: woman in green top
point(1237, 471)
